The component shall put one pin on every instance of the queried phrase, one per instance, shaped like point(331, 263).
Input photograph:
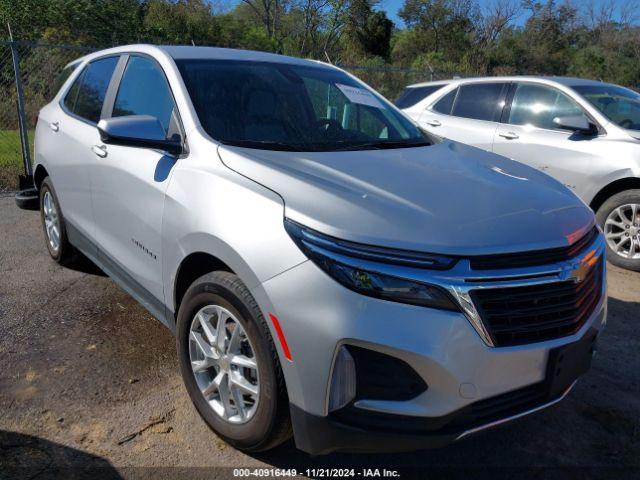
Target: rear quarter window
point(86, 95)
point(60, 80)
point(70, 98)
point(412, 95)
point(445, 104)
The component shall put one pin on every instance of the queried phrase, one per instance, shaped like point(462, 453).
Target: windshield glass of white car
point(618, 104)
point(290, 107)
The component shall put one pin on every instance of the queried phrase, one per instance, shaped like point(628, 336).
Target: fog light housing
point(343, 380)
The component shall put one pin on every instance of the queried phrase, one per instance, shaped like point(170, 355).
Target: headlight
point(339, 259)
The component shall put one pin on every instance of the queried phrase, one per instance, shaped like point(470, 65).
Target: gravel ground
point(89, 383)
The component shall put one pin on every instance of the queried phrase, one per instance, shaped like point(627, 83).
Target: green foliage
point(463, 37)
point(10, 159)
point(441, 38)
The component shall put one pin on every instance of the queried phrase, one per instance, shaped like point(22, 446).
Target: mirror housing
point(142, 131)
point(576, 123)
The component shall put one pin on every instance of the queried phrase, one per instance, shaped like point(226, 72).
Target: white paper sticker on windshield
point(360, 95)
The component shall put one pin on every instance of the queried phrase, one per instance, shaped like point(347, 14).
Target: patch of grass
point(11, 164)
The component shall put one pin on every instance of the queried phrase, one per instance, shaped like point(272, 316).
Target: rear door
point(529, 135)
point(68, 141)
point(468, 114)
point(129, 184)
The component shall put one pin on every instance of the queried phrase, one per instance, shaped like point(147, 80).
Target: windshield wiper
point(264, 145)
point(384, 144)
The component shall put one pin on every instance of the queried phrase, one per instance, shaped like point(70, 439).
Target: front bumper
point(318, 316)
point(321, 435)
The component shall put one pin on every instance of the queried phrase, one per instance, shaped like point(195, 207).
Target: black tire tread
point(620, 198)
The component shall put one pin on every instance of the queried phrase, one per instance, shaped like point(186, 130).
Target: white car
point(584, 133)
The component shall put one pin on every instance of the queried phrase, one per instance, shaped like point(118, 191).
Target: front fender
point(214, 210)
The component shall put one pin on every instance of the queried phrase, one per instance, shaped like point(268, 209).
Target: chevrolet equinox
point(583, 133)
point(330, 271)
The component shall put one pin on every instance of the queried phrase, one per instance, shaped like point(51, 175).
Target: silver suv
point(329, 270)
point(584, 133)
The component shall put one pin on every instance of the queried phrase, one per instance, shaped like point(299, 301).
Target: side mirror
point(576, 123)
point(142, 131)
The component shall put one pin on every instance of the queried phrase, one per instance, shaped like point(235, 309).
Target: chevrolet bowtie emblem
point(583, 267)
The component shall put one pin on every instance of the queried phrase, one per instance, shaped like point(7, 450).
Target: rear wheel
point(229, 364)
point(619, 218)
point(53, 224)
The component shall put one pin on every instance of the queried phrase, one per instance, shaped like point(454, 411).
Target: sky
point(391, 7)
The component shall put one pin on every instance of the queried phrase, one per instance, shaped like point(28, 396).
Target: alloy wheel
point(224, 364)
point(51, 221)
point(622, 230)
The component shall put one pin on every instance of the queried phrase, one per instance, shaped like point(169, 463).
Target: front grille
point(534, 313)
point(533, 258)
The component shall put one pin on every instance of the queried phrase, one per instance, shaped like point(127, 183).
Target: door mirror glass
point(575, 123)
point(142, 131)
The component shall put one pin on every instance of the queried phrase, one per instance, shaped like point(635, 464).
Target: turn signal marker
point(281, 337)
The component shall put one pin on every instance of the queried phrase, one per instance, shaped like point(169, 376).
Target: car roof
point(567, 81)
point(183, 52)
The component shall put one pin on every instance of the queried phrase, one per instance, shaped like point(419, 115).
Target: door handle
point(100, 150)
point(434, 122)
point(509, 135)
point(55, 126)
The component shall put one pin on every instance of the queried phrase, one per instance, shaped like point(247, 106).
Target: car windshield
point(277, 106)
point(618, 104)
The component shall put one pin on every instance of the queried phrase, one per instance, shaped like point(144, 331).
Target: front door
point(129, 185)
point(530, 136)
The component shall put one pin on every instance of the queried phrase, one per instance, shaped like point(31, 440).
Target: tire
point(270, 424)
point(61, 250)
point(628, 197)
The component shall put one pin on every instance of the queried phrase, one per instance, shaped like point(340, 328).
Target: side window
point(445, 104)
point(480, 101)
point(72, 95)
point(413, 95)
point(144, 90)
point(95, 81)
point(537, 105)
point(59, 81)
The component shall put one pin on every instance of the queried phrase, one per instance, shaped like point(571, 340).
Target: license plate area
point(568, 362)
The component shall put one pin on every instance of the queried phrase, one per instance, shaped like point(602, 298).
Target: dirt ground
point(89, 384)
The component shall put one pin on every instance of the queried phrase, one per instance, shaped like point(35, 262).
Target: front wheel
point(230, 365)
point(619, 218)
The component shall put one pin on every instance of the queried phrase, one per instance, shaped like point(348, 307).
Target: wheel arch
point(613, 188)
point(192, 267)
point(39, 175)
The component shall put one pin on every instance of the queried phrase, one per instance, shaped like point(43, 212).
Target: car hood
point(635, 134)
point(447, 198)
